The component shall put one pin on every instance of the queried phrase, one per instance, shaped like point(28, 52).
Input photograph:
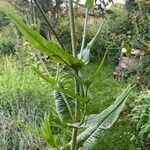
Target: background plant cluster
point(25, 96)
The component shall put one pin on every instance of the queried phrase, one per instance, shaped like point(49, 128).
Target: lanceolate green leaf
point(48, 133)
point(54, 82)
point(98, 69)
point(85, 54)
point(34, 131)
point(49, 48)
point(78, 97)
point(45, 77)
point(91, 43)
point(128, 48)
point(68, 92)
point(99, 123)
point(65, 106)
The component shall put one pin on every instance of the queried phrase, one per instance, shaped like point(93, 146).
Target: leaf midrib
point(18, 24)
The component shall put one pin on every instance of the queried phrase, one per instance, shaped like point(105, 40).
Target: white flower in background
point(123, 50)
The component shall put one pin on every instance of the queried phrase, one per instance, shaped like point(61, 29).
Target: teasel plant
point(71, 103)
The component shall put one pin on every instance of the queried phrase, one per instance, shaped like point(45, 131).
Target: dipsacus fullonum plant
point(71, 103)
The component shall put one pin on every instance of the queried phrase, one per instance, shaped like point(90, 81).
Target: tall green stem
point(77, 86)
point(85, 106)
point(72, 27)
point(84, 33)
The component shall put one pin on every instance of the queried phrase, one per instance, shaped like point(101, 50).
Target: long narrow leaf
point(79, 78)
point(103, 121)
point(53, 82)
point(84, 55)
point(31, 129)
point(91, 43)
point(99, 123)
point(45, 77)
point(49, 48)
point(78, 97)
point(48, 133)
point(98, 69)
point(86, 123)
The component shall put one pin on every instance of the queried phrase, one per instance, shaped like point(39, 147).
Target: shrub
point(141, 116)
point(3, 20)
point(140, 75)
point(138, 12)
point(7, 40)
point(114, 30)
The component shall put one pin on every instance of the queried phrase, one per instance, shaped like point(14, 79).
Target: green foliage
point(46, 134)
point(24, 97)
point(120, 136)
point(48, 5)
point(3, 20)
point(53, 82)
point(101, 122)
point(105, 87)
point(27, 111)
point(98, 69)
point(45, 77)
point(7, 40)
point(141, 74)
point(49, 48)
point(18, 82)
point(64, 31)
point(36, 94)
point(116, 27)
point(131, 5)
point(66, 107)
point(141, 117)
point(139, 39)
point(89, 4)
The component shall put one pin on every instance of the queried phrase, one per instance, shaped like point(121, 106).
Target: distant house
point(130, 62)
point(127, 62)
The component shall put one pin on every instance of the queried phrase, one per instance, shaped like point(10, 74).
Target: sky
point(115, 1)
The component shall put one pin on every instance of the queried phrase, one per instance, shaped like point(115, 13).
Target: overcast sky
point(115, 1)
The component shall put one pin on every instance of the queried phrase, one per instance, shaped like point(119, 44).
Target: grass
point(105, 89)
point(23, 96)
point(118, 138)
point(20, 87)
point(18, 82)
